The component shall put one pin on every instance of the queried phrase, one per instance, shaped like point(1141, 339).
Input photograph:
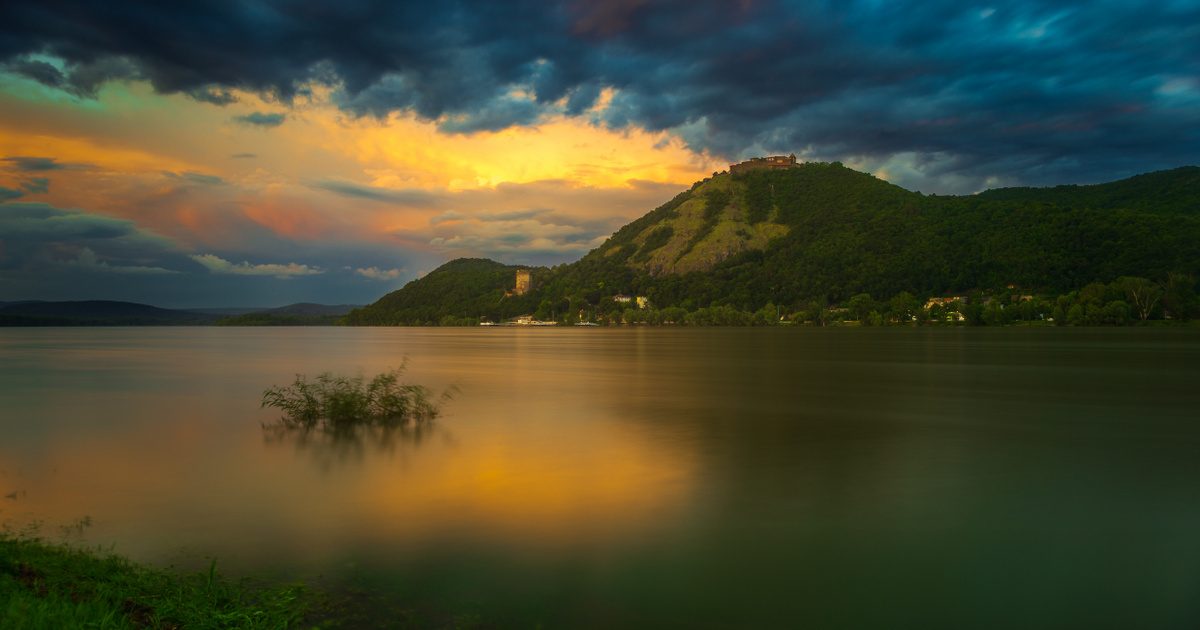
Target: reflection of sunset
point(617, 481)
point(180, 475)
point(156, 457)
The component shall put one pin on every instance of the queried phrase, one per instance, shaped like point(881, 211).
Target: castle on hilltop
point(754, 164)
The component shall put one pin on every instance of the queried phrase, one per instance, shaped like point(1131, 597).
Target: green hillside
point(822, 233)
point(466, 288)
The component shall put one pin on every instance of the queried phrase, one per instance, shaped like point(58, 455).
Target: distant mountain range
point(818, 233)
point(114, 313)
point(300, 314)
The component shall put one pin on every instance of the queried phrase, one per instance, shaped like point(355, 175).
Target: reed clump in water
point(341, 403)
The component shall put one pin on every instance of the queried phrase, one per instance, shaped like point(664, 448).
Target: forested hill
point(97, 313)
point(823, 232)
point(463, 288)
point(1173, 191)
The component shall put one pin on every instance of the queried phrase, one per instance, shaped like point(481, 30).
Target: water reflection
point(331, 448)
point(617, 478)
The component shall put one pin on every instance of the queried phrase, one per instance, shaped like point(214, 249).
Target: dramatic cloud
point(362, 139)
point(41, 222)
point(261, 119)
point(213, 95)
point(1030, 91)
point(216, 264)
point(40, 241)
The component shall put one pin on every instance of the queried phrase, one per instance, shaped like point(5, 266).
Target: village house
point(942, 301)
point(641, 301)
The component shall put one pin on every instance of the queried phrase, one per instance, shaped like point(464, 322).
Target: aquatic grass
point(55, 585)
point(337, 403)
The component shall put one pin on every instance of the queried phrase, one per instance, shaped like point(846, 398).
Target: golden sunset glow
point(404, 152)
point(265, 182)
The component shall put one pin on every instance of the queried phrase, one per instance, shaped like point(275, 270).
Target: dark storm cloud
point(494, 116)
point(262, 119)
point(1032, 91)
point(40, 71)
point(216, 96)
point(39, 222)
point(8, 194)
point(51, 253)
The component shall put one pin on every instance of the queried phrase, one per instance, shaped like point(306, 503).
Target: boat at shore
point(521, 320)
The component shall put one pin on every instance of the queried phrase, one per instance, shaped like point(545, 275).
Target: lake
point(606, 478)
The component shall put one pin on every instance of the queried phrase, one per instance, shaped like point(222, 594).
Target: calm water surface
point(1017, 478)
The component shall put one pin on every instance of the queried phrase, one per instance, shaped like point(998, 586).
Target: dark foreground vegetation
point(50, 586)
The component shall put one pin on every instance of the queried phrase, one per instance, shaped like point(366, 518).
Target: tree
point(904, 306)
point(768, 315)
point(673, 315)
point(1076, 315)
point(1116, 313)
point(1179, 297)
point(1143, 294)
point(860, 305)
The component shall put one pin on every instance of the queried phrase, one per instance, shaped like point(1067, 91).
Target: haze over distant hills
point(823, 232)
point(114, 313)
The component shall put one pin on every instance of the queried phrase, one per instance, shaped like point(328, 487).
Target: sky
point(258, 153)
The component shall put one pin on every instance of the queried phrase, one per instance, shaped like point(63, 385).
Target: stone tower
point(524, 282)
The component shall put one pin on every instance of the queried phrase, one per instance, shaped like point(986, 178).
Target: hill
point(824, 233)
point(465, 288)
point(96, 313)
point(299, 314)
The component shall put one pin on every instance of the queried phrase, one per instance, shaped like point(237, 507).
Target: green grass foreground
point(49, 585)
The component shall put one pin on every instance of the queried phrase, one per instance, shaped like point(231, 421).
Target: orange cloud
point(403, 152)
point(289, 217)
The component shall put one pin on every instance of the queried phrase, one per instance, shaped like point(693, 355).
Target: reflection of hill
point(848, 466)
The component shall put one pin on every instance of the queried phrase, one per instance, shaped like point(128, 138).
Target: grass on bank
point(50, 585)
